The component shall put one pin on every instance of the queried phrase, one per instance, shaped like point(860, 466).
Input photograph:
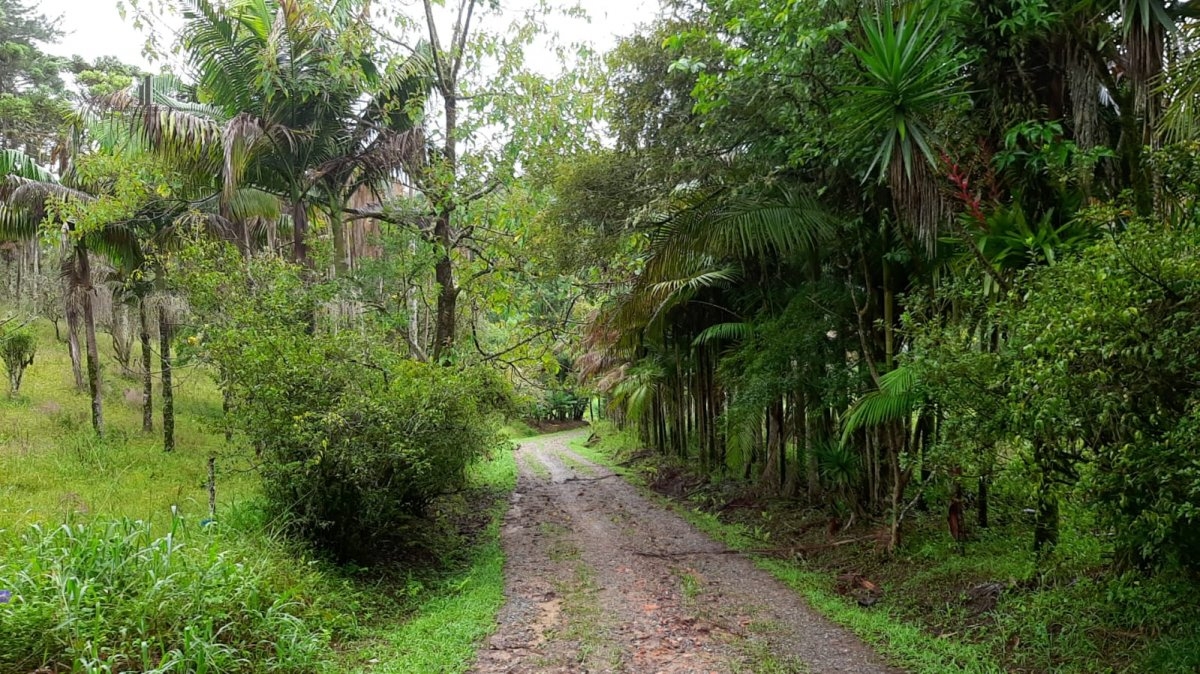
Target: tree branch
point(462, 30)
point(438, 66)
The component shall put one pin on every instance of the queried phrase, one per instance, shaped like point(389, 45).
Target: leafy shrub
point(112, 596)
point(353, 439)
point(352, 454)
point(1097, 381)
point(17, 350)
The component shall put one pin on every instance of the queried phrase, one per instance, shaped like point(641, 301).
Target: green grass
point(577, 465)
point(101, 545)
point(115, 596)
point(515, 429)
point(460, 611)
point(536, 467)
point(54, 466)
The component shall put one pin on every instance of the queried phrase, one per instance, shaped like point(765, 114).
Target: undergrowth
point(103, 597)
point(455, 610)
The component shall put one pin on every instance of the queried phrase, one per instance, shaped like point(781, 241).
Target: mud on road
point(601, 579)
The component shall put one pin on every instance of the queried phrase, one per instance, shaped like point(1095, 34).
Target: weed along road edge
point(600, 579)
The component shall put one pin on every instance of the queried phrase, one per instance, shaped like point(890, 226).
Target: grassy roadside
point(459, 611)
point(55, 468)
point(904, 644)
point(922, 625)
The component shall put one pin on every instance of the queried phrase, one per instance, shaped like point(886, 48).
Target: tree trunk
point(447, 304)
point(817, 425)
point(122, 335)
point(168, 393)
point(447, 82)
point(35, 278)
point(300, 233)
point(900, 479)
point(147, 375)
point(93, 349)
point(341, 259)
point(1045, 528)
point(72, 312)
point(775, 467)
point(889, 318)
point(985, 482)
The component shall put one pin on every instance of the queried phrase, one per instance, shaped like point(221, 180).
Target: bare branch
point(438, 66)
point(463, 29)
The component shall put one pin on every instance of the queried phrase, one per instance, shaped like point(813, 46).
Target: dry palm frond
point(1146, 24)
point(238, 141)
point(919, 201)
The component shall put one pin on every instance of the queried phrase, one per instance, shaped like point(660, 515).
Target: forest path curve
point(595, 583)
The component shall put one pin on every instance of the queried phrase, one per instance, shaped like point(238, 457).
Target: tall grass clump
point(115, 597)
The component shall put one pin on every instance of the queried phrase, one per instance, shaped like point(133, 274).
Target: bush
point(353, 439)
point(1096, 383)
point(17, 349)
point(108, 597)
point(351, 453)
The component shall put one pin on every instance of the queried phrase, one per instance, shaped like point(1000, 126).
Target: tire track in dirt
point(580, 597)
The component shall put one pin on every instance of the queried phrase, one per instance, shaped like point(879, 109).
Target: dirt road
point(596, 583)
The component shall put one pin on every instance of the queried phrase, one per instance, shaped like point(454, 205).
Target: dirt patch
point(599, 579)
point(50, 407)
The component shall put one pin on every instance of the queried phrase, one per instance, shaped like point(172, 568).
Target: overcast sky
point(94, 28)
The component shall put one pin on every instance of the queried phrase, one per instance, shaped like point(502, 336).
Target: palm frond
point(724, 332)
point(28, 198)
point(783, 223)
point(17, 163)
point(897, 399)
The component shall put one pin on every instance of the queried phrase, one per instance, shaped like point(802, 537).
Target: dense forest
point(924, 274)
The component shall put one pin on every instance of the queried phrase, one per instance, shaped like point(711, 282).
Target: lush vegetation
point(112, 563)
point(925, 271)
point(921, 271)
point(287, 461)
point(953, 247)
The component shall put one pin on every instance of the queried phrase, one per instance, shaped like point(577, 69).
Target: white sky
point(94, 28)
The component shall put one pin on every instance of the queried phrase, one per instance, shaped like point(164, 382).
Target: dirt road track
point(596, 583)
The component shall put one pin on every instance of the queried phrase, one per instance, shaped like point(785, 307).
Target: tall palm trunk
point(168, 391)
point(147, 376)
point(447, 304)
point(93, 349)
point(775, 466)
point(71, 309)
point(300, 232)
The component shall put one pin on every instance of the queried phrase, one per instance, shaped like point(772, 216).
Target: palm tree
point(909, 78)
point(711, 247)
point(33, 203)
point(274, 109)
